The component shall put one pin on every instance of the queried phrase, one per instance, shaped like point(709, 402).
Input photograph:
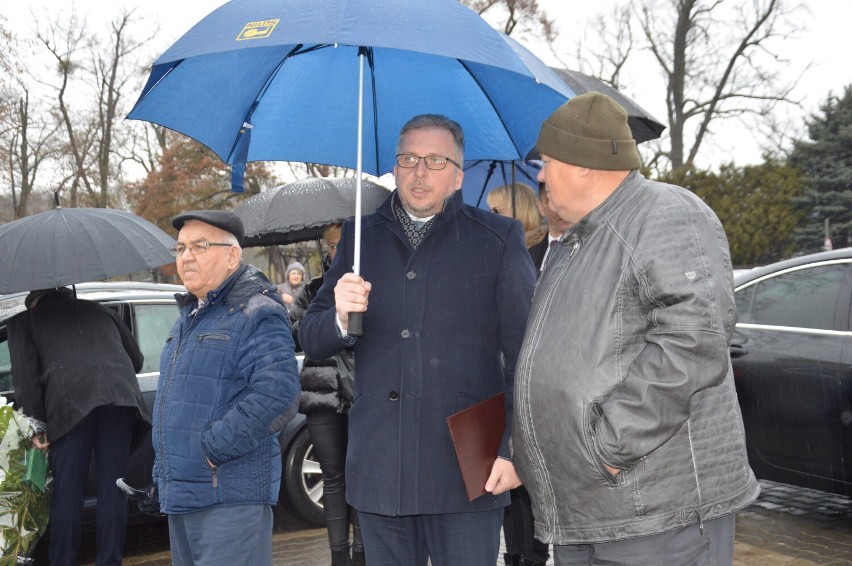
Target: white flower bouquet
point(24, 486)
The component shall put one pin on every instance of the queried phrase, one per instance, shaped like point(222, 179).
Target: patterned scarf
point(414, 230)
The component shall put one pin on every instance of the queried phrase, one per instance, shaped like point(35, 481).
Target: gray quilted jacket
point(625, 362)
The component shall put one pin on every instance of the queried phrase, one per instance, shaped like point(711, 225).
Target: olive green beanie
point(591, 131)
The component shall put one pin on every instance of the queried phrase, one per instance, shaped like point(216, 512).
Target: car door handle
point(737, 350)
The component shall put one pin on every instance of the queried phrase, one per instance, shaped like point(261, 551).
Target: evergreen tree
point(826, 161)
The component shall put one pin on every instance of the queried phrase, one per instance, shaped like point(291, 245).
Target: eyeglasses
point(196, 248)
point(433, 162)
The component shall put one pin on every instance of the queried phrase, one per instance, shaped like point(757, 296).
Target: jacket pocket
point(214, 339)
point(213, 470)
point(592, 413)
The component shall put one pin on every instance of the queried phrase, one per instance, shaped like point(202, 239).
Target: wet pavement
point(786, 526)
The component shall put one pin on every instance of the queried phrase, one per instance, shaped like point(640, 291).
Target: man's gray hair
point(436, 122)
point(231, 239)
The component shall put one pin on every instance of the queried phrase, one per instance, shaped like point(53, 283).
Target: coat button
point(410, 275)
point(405, 333)
point(393, 395)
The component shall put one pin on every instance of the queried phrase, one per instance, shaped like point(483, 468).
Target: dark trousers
point(107, 431)
point(687, 545)
point(519, 530)
point(329, 432)
point(451, 539)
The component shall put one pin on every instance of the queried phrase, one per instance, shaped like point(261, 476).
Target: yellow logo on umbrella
point(257, 30)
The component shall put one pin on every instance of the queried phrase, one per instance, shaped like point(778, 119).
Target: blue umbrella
point(285, 80)
point(279, 80)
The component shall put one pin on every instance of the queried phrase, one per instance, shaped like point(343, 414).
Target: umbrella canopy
point(285, 80)
point(644, 126)
point(482, 176)
point(290, 69)
point(65, 246)
point(298, 211)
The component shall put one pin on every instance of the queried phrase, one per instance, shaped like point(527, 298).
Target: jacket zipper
point(180, 341)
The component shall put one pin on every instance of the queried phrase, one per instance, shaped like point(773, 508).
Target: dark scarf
point(415, 231)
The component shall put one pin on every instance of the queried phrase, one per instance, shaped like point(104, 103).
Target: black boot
point(528, 562)
point(340, 558)
point(513, 559)
point(358, 558)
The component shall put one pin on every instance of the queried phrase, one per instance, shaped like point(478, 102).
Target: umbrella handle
point(355, 319)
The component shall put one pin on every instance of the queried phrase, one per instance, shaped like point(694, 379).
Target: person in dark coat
point(326, 398)
point(74, 365)
point(449, 289)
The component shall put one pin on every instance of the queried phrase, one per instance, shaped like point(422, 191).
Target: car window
point(153, 323)
point(806, 298)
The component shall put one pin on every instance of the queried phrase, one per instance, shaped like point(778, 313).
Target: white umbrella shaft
point(355, 318)
point(356, 267)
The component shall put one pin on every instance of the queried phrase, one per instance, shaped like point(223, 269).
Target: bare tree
point(63, 40)
point(606, 53)
point(144, 144)
point(32, 143)
point(522, 16)
point(28, 136)
point(106, 68)
point(109, 67)
point(718, 59)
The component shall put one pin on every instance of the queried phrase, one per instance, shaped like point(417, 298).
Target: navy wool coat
point(443, 330)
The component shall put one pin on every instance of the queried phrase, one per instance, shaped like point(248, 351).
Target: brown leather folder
point(476, 433)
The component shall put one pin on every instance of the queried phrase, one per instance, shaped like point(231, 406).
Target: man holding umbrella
point(449, 290)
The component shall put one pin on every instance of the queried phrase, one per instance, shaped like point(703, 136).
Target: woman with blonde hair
point(519, 202)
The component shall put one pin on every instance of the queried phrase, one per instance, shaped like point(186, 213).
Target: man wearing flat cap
point(627, 342)
point(228, 376)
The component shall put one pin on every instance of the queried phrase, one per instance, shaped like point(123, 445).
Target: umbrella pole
point(356, 317)
point(514, 189)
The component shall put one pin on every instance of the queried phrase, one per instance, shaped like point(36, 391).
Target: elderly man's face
point(421, 190)
point(555, 224)
point(567, 188)
point(204, 272)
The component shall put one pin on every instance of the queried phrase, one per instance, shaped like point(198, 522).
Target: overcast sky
point(827, 43)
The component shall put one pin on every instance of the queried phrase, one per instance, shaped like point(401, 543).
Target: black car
point(792, 358)
point(149, 310)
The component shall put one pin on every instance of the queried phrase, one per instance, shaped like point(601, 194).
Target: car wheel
point(303, 479)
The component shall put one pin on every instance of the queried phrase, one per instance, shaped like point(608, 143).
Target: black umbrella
point(298, 211)
point(65, 246)
point(644, 126)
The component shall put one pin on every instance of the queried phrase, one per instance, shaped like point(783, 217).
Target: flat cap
point(222, 219)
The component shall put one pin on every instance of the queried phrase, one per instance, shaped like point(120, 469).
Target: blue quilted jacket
point(227, 373)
